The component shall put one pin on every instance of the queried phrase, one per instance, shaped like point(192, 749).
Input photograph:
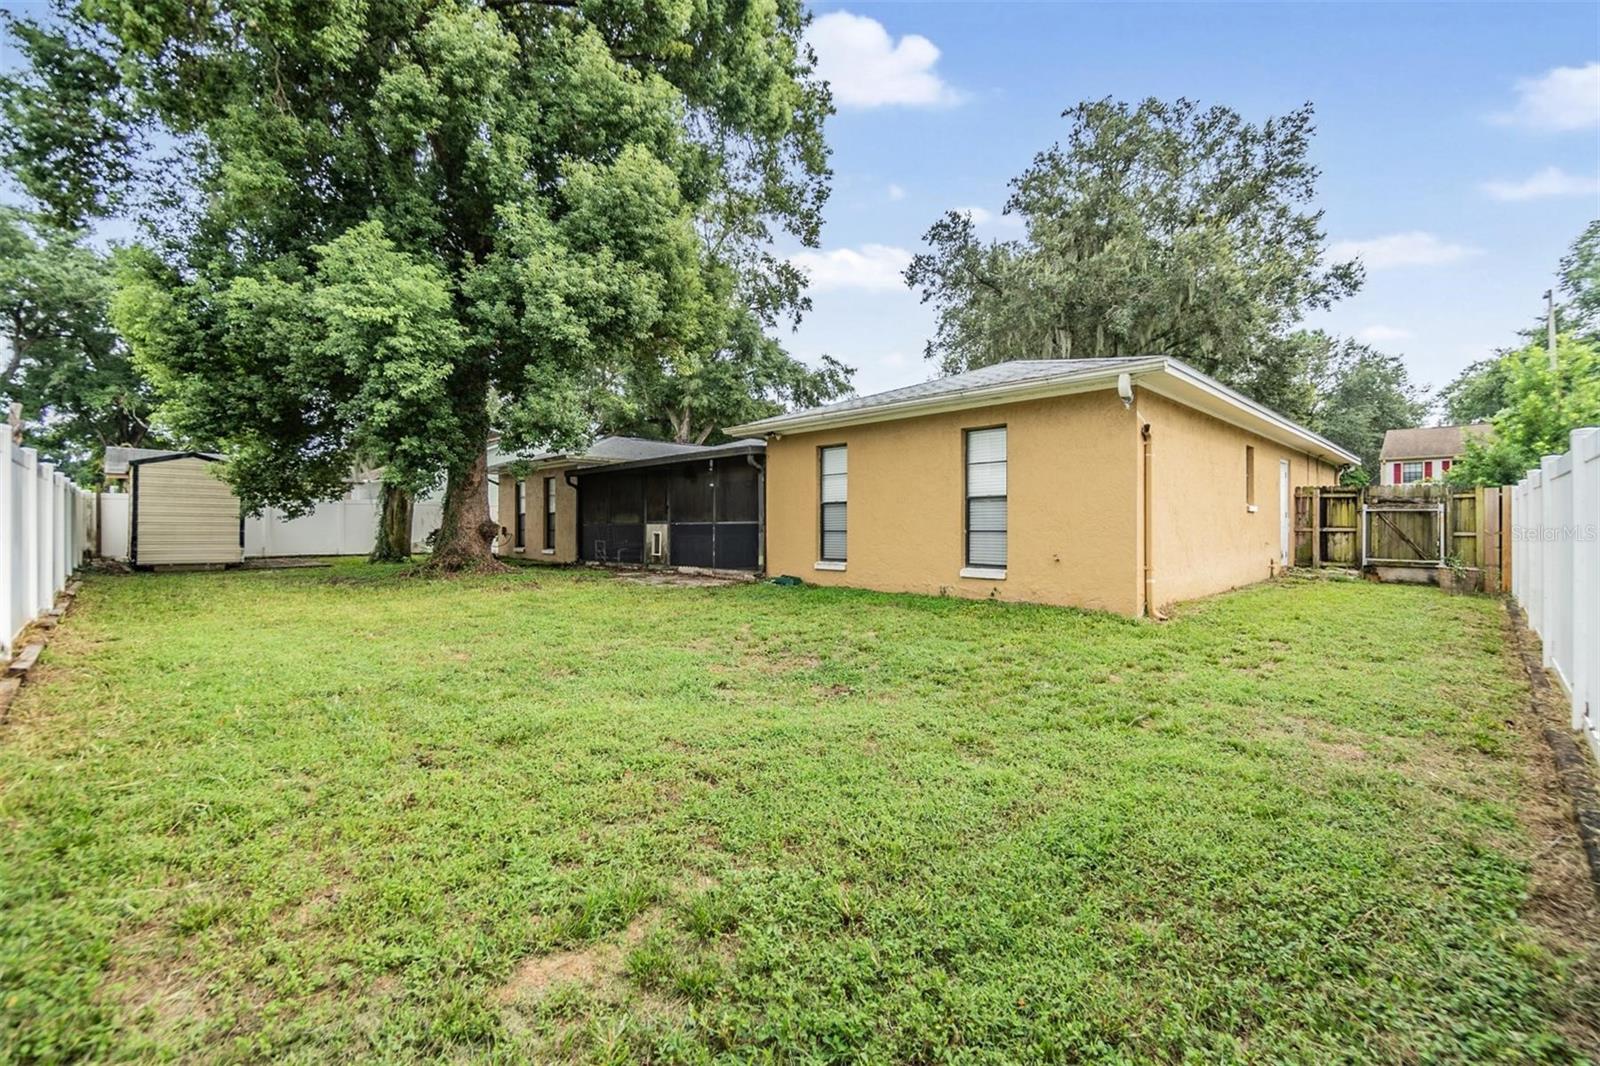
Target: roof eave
point(1226, 404)
point(1004, 392)
point(673, 458)
point(1240, 410)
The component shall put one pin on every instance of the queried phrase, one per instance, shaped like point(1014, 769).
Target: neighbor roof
point(1029, 379)
point(1430, 442)
point(117, 458)
point(603, 450)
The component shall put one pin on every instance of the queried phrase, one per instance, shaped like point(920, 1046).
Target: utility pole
point(1550, 343)
point(1550, 325)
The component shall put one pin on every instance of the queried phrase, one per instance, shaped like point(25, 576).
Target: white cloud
point(1413, 248)
point(896, 360)
point(896, 192)
point(1378, 333)
point(982, 216)
point(868, 68)
point(1544, 184)
point(1563, 98)
point(875, 267)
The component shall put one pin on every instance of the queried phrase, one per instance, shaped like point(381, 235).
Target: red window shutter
point(1427, 469)
point(1397, 473)
point(1444, 467)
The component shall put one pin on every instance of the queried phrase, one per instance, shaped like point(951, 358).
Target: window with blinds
point(986, 498)
point(520, 524)
point(834, 500)
point(549, 514)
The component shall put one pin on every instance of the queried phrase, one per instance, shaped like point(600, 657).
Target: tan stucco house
point(1425, 453)
point(1113, 484)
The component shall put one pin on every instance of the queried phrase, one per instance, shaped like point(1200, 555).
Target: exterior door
point(1283, 512)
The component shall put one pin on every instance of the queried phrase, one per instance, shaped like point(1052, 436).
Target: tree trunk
point(394, 527)
point(466, 530)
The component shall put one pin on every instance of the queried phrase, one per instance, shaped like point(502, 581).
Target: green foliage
point(499, 199)
point(1477, 394)
point(1542, 408)
point(1359, 394)
point(61, 359)
point(1580, 284)
point(1157, 229)
point(340, 816)
point(749, 377)
point(69, 135)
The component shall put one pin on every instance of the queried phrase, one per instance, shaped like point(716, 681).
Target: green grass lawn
point(328, 814)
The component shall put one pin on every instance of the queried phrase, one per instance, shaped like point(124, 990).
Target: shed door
point(1283, 512)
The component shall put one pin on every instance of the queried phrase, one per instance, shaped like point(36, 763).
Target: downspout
point(1145, 435)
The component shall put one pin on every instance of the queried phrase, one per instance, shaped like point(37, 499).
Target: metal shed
point(182, 513)
point(706, 509)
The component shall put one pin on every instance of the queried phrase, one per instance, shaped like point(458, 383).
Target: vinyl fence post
point(8, 544)
point(1548, 510)
point(1585, 508)
point(63, 530)
point(43, 514)
point(28, 533)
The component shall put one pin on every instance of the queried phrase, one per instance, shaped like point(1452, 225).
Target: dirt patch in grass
point(673, 579)
point(152, 989)
point(592, 966)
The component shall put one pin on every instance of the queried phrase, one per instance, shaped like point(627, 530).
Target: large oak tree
point(379, 221)
point(1156, 228)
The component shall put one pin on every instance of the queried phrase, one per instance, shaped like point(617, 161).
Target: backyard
point(333, 813)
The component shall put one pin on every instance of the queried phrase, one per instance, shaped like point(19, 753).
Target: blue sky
point(1459, 146)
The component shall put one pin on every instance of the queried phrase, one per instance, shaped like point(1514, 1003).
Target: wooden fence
point(1407, 532)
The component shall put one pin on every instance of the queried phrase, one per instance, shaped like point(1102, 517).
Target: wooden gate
point(1402, 533)
point(1396, 530)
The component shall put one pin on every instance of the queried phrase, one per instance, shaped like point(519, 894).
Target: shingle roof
point(603, 450)
point(1042, 378)
point(684, 453)
point(117, 457)
point(1430, 442)
point(1017, 372)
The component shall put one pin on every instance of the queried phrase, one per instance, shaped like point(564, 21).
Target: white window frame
point(833, 491)
point(986, 569)
point(1407, 468)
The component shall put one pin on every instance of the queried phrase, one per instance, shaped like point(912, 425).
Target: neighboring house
point(1412, 455)
point(630, 500)
point(115, 463)
point(1117, 484)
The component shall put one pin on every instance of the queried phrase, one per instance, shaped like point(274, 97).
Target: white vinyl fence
point(342, 527)
point(1555, 569)
point(346, 526)
point(44, 531)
